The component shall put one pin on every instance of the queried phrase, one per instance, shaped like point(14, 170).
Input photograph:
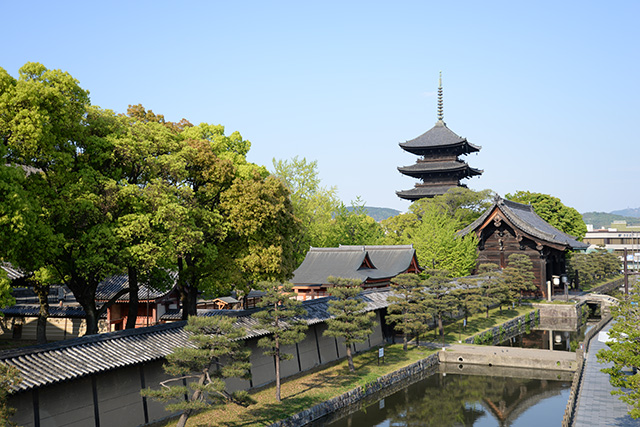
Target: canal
point(455, 395)
point(472, 395)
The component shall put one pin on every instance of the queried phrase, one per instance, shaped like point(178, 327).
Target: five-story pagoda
point(438, 168)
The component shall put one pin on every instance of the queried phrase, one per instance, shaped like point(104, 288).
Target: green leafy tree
point(281, 316)
point(325, 221)
point(405, 309)
point(624, 351)
point(431, 226)
point(518, 275)
point(44, 131)
point(551, 209)
point(352, 227)
point(350, 321)
point(313, 204)
point(9, 377)
point(440, 299)
point(217, 353)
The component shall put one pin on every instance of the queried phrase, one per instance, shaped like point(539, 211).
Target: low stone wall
point(559, 311)
point(358, 394)
point(607, 287)
point(569, 411)
point(508, 329)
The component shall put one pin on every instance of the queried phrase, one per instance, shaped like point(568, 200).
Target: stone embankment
point(508, 329)
point(400, 376)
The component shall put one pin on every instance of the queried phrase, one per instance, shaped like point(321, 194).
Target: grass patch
point(454, 331)
point(309, 389)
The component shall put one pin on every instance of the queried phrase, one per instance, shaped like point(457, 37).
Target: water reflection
point(551, 335)
point(465, 400)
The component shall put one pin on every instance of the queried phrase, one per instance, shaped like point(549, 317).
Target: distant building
point(508, 227)
point(616, 241)
point(152, 302)
point(374, 266)
point(439, 167)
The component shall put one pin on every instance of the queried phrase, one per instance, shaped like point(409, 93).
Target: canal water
point(556, 336)
point(501, 397)
point(482, 396)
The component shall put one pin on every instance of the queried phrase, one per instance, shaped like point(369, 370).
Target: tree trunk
point(441, 327)
point(43, 313)
point(188, 293)
point(277, 356)
point(91, 317)
point(85, 294)
point(352, 367)
point(195, 396)
point(404, 341)
point(132, 315)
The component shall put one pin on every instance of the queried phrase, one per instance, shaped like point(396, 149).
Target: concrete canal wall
point(509, 357)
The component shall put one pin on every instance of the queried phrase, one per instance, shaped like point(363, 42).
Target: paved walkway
point(596, 406)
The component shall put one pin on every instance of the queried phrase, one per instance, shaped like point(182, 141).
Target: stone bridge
point(605, 301)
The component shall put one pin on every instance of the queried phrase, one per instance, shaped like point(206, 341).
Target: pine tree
point(494, 287)
point(281, 315)
point(219, 353)
point(469, 296)
point(519, 276)
point(350, 321)
point(439, 297)
point(405, 310)
point(9, 377)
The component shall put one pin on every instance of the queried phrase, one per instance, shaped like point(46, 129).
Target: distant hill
point(379, 213)
point(604, 219)
point(632, 212)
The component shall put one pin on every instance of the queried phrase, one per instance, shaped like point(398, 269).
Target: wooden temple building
point(508, 227)
point(374, 266)
point(438, 168)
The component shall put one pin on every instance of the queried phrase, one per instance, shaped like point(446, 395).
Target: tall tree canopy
point(431, 226)
point(325, 220)
point(551, 209)
point(95, 193)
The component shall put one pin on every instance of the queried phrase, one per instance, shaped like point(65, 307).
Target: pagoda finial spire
point(440, 107)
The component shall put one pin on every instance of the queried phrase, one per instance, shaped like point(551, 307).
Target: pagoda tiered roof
point(422, 191)
point(419, 169)
point(437, 138)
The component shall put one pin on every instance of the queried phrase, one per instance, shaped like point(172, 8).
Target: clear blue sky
point(550, 90)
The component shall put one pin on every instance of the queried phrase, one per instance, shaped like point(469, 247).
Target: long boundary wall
point(113, 398)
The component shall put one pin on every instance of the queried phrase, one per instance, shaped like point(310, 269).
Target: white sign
point(381, 352)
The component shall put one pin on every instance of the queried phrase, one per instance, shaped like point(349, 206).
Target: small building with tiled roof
point(509, 227)
point(374, 266)
point(153, 301)
point(439, 167)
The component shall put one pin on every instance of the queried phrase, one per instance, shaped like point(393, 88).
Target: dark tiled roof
point(524, 217)
point(439, 136)
point(74, 358)
point(12, 272)
point(65, 360)
point(345, 261)
point(420, 168)
point(32, 310)
point(109, 287)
